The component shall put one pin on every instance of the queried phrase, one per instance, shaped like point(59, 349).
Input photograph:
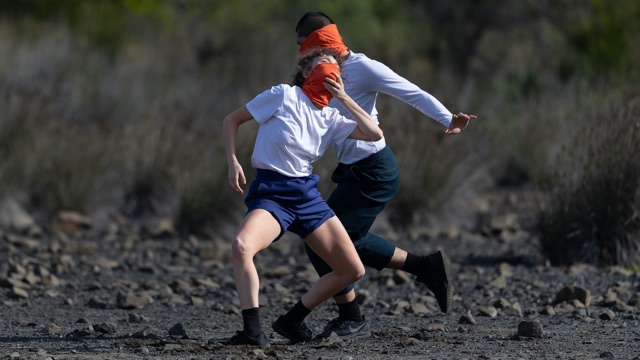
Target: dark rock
point(530, 328)
point(177, 331)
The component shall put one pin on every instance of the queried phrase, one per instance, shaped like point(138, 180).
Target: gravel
point(82, 291)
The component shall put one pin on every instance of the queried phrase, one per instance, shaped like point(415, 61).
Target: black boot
point(434, 273)
point(294, 331)
point(241, 338)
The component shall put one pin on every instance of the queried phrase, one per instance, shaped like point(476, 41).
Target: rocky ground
point(71, 291)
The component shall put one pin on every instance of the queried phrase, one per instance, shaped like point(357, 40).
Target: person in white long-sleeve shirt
point(367, 175)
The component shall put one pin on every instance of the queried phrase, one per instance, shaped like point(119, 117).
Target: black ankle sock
point(350, 311)
point(297, 313)
point(411, 264)
point(251, 318)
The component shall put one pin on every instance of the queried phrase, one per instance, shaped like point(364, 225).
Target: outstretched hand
point(459, 122)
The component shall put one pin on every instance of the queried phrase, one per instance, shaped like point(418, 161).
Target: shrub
point(592, 208)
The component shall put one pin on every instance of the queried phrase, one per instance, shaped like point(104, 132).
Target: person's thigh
point(257, 231)
point(321, 267)
point(332, 244)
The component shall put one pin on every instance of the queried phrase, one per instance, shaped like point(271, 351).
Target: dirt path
point(120, 296)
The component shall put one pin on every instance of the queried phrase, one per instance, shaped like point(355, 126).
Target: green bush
point(592, 210)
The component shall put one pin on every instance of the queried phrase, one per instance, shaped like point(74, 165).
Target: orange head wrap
point(326, 37)
point(313, 86)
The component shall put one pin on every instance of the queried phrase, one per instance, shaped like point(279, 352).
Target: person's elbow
point(226, 121)
point(236, 118)
point(366, 134)
point(378, 135)
point(229, 122)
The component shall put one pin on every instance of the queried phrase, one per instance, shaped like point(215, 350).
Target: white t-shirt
point(293, 133)
point(363, 79)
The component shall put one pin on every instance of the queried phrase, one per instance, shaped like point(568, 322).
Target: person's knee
point(357, 272)
point(241, 249)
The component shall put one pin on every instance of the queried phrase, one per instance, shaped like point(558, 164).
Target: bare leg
point(396, 263)
point(398, 259)
point(332, 243)
point(256, 233)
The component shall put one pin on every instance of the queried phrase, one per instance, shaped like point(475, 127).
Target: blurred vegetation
point(594, 215)
point(118, 104)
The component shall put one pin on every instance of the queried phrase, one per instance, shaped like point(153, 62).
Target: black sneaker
point(294, 332)
point(241, 338)
point(435, 274)
point(346, 329)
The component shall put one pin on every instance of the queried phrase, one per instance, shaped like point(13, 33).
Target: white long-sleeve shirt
point(363, 79)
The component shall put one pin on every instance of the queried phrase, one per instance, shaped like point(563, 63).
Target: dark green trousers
point(362, 191)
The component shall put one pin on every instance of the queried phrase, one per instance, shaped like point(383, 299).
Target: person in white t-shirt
point(295, 128)
point(367, 176)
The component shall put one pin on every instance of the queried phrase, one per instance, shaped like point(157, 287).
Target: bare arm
point(367, 128)
point(230, 127)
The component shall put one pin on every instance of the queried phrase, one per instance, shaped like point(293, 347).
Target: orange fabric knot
point(313, 86)
point(326, 37)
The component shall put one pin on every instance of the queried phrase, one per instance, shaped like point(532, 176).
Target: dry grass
point(139, 131)
point(592, 213)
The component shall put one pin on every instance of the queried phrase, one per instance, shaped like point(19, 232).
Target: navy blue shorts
point(295, 202)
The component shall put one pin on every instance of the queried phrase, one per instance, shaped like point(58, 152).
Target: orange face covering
point(326, 37)
point(313, 86)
